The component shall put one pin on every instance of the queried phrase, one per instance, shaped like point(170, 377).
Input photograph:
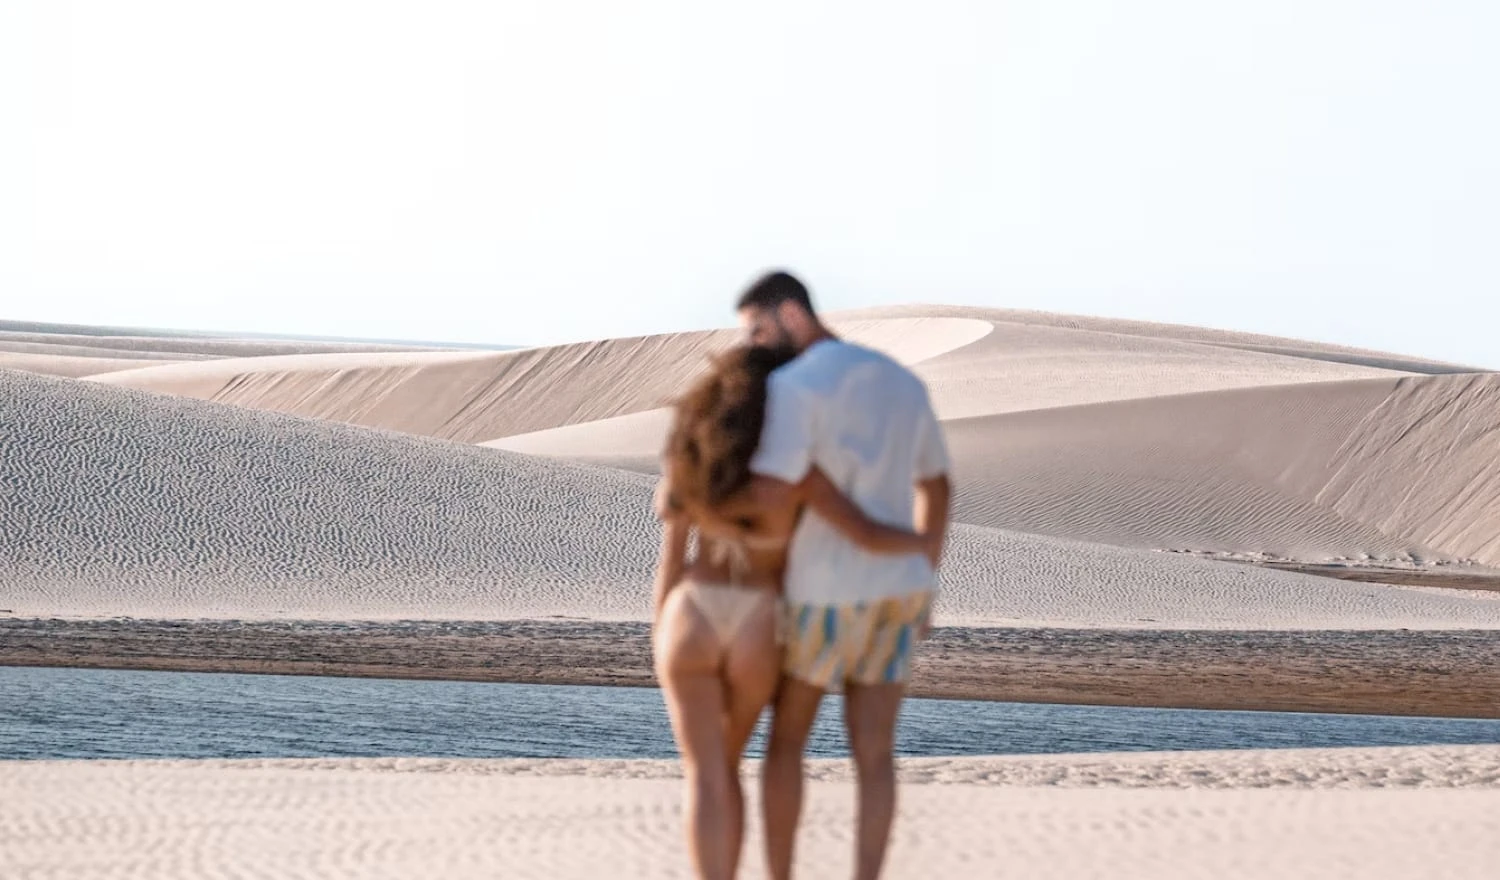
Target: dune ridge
point(72, 366)
point(1181, 332)
point(77, 351)
point(472, 398)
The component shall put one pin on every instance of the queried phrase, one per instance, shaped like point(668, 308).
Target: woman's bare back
point(741, 544)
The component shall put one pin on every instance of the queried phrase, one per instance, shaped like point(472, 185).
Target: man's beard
point(782, 346)
point(782, 349)
point(781, 352)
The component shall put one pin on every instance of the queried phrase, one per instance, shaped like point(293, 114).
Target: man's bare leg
point(781, 776)
point(870, 713)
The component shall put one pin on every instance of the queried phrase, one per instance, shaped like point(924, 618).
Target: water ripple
point(86, 713)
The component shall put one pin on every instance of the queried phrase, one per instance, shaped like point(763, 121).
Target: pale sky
point(536, 172)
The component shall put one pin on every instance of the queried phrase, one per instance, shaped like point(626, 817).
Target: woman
point(716, 621)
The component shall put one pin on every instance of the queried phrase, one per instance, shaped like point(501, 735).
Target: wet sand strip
point(1437, 673)
point(1457, 577)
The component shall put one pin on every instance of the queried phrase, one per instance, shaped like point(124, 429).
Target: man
point(853, 618)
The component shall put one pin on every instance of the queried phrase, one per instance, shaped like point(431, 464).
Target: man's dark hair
point(773, 289)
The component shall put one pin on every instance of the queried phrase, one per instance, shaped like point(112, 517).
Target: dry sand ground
point(1388, 813)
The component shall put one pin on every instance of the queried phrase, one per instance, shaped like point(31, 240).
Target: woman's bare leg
point(752, 668)
point(688, 662)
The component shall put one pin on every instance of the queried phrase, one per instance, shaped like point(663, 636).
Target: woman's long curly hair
point(717, 427)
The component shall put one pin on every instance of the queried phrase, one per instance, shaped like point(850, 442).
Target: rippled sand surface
point(1356, 813)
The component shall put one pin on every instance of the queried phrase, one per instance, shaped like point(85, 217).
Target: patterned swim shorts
point(866, 643)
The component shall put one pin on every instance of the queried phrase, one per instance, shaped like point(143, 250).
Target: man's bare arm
point(931, 514)
point(840, 511)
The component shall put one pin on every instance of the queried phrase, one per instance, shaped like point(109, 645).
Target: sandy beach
point(1146, 515)
point(1331, 813)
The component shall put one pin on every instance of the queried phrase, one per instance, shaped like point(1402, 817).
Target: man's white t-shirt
point(866, 421)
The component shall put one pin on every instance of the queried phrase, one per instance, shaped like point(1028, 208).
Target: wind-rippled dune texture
point(1396, 470)
point(126, 503)
point(120, 502)
point(1354, 814)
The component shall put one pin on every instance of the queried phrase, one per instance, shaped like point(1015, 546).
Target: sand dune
point(392, 390)
point(1038, 363)
point(977, 362)
point(468, 397)
point(152, 355)
point(72, 366)
point(1184, 333)
point(1376, 469)
point(1187, 440)
point(473, 398)
point(80, 352)
point(1081, 446)
point(632, 441)
point(1019, 365)
point(1141, 817)
point(138, 504)
point(1024, 366)
point(162, 506)
point(170, 348)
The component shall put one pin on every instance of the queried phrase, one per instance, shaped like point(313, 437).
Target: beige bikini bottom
point(726, 607)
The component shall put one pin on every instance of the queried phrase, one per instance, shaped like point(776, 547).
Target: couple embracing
point(813, 474)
